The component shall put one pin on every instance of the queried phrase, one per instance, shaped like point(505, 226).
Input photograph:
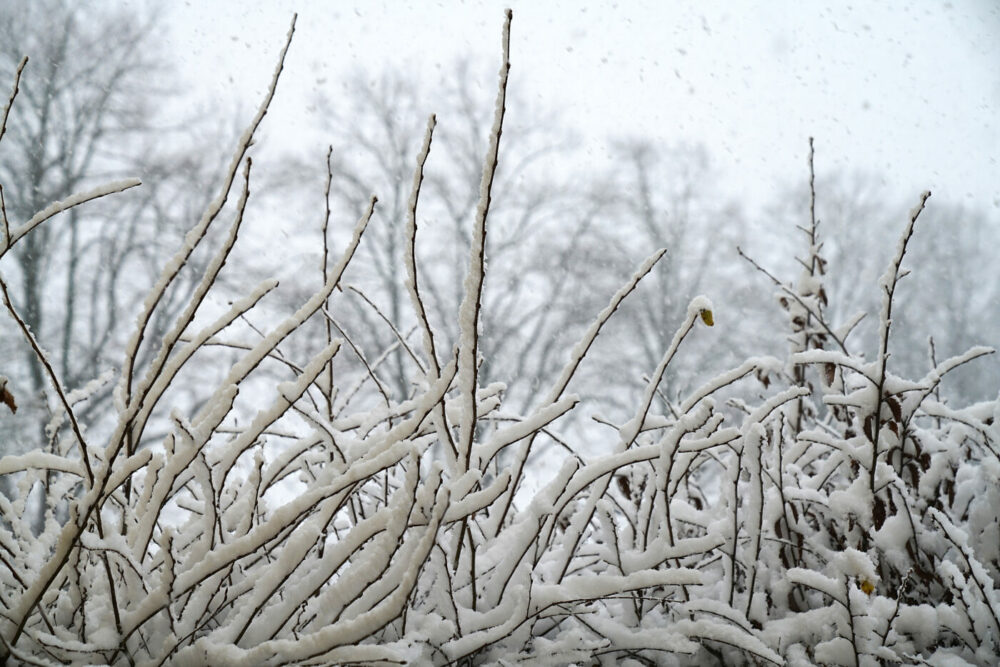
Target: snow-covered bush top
point(811, 510)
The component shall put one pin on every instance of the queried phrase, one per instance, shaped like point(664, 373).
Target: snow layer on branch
point(288, 393)
point(491, 626)
point(524, 428)
point(630, 429)
point(73, 200)
point(728, 634)
point(836, 651)
point(474, 502)
point(624, 638)
point(817, 581)
point(698, 304)
point(580, 349)
point(353, 629)
point(468, 310)
point(766, 365)
point(39, 460)
point(595, 587)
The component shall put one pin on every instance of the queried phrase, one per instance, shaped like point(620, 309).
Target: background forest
point(641, 487)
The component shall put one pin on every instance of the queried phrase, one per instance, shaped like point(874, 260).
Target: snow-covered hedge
point(812, 509)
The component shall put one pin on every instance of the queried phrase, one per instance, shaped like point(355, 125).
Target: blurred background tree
point(89, 110)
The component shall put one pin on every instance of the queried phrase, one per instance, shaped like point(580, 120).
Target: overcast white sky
point(907, 90)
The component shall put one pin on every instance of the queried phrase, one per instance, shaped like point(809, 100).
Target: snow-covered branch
point(812, 508)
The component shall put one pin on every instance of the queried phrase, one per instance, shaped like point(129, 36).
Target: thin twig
point(395, 332)
point(13, 94)
point(326, 267)
point(6, 222)
point(792, 293)
point(888, 284)
point(53, 378)
point(361, 357)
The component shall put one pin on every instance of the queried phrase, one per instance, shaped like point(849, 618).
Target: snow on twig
point(468, 312)
point(58, 207)
point(13, 95)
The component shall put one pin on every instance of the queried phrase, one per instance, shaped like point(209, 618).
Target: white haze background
point(908, 92)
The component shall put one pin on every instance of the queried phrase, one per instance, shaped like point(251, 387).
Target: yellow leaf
point(706, 317)
point(867, 587)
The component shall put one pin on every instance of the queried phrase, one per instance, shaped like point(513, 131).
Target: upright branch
point(812, 208)
point(3, 130)
point(888, 283)
point(412, 282)
point(3, 217)
point(410, 258)
point(326, 267)
point(13, 94)
point(809, 291)
point(468, 312)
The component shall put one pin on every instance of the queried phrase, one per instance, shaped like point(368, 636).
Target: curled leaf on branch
point(829, 373)
point(6, 397)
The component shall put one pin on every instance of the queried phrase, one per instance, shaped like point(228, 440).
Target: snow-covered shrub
point(842, 515)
